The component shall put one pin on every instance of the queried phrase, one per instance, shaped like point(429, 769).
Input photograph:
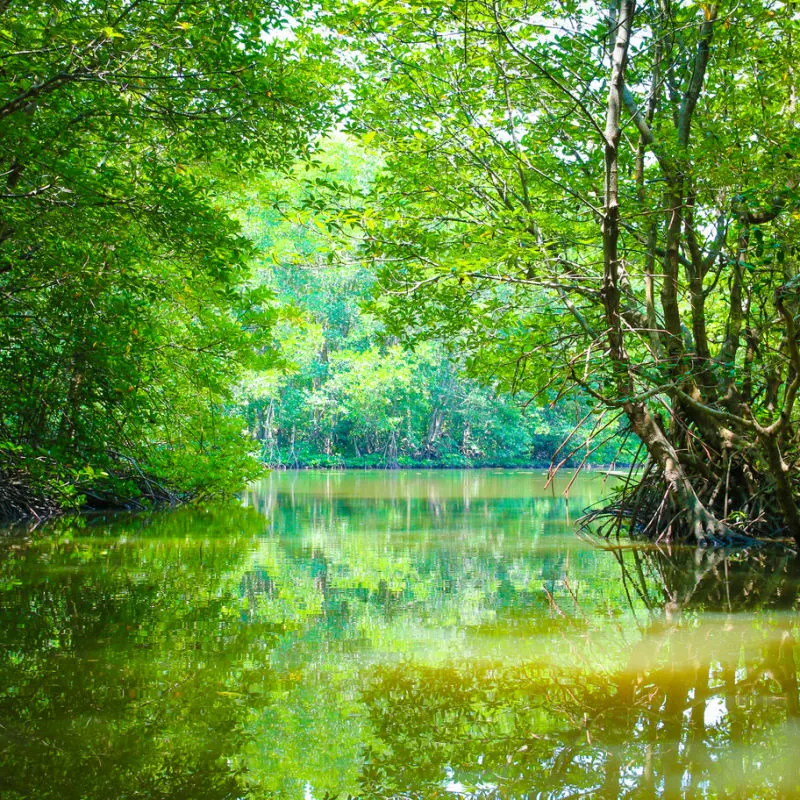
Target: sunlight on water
point(403, 634)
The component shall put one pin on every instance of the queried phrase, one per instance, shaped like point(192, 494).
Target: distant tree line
point(346, 394)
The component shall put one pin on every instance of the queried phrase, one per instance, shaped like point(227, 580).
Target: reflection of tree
point(138, 658)
point(704, 704)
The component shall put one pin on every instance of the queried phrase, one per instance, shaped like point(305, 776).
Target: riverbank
point(446, 462)
point(25, 497)
point(37, 486)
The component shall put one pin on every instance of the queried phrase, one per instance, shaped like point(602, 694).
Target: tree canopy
point(604, 196)
point(124, 319)
point(579, 199)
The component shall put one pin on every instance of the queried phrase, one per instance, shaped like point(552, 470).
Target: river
point(390, 635)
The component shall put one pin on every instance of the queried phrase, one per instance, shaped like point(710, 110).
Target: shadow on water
point(705, 703)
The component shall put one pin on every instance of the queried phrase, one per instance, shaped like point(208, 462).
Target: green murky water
point(405, 635)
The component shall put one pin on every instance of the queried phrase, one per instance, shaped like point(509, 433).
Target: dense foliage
point(566, 200)
point(123, 317)
point(136, 140)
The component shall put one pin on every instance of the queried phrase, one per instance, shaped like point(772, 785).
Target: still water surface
point(403, 635)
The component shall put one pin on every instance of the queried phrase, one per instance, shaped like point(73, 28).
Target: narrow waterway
point(403, 634)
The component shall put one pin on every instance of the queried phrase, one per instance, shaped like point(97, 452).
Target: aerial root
point(647, 511)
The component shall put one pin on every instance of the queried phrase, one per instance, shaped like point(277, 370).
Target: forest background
point(346, 393)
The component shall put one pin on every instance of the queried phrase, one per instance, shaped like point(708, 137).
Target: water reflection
point(121, 676)
point(704, 704)
point(409, 635)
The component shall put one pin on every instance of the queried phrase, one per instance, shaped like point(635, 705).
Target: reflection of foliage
point(712, 579)
point(445, 560)
point(500, 731)
point(699, 707)
point(227, 645)
point(126, 670)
